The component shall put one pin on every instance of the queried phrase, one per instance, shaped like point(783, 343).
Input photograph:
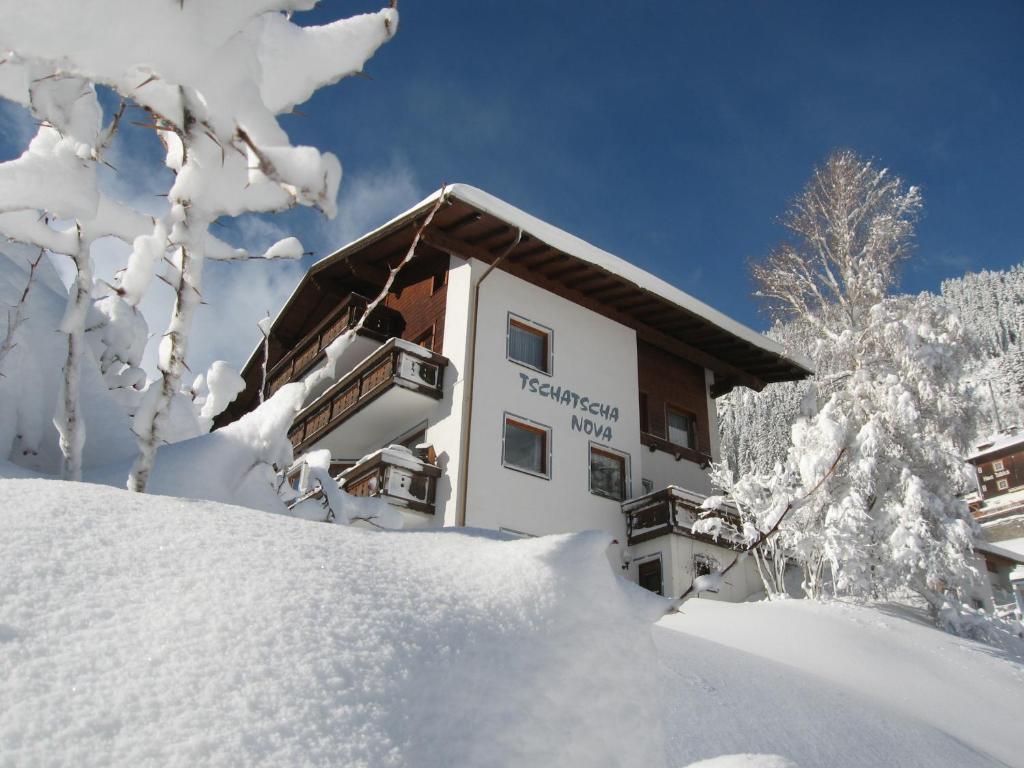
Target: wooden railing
point(404, 483)
point(383, 323)
point(395, 363)
point(656, 443)
point(671, 510)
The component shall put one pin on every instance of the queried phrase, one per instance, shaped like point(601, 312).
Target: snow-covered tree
point(887, 400)
point(213, 79)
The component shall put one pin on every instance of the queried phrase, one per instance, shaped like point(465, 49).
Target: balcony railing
point(396, 475)
point(673, 510)
point(655, 443)
point(309, 351)
point(416, 377)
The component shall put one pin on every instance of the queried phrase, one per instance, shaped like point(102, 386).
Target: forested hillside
point(755, 425)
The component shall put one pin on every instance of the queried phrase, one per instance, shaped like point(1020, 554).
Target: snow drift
point(837, 685)
point(138, 629)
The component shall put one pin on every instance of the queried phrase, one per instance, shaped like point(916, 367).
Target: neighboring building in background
point(998, 507)
point(519, 379)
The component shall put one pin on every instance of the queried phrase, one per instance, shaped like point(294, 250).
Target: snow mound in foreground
point(838, 685)
point(151, 630)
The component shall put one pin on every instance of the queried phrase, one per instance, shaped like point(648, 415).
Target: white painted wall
point(663, 470)
point(740, 583)
point(593, 356)
point(444, 430)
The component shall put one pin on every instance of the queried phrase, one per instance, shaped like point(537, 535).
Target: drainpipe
point(470, 376)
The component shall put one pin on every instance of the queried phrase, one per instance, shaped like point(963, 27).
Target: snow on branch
point(710, 581)
point(16, 314)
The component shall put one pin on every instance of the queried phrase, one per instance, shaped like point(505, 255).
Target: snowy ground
point(146, 630)
point(837, 685)
point(141, 630)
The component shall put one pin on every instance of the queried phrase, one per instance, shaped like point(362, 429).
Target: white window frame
point(1002, 484)
point(670, 408)
point(530, 423)
point(626, 471)
point(998, 466)
point(549, 335)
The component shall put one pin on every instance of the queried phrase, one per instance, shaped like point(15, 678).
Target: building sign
point(588, 414)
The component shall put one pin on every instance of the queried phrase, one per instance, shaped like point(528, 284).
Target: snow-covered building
point(519, 379)
point(998, 507)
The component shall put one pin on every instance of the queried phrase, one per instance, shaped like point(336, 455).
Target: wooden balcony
point(672, 510)
point(309, 351)
point(680, 452)
point(385, 394)
point(395, 475)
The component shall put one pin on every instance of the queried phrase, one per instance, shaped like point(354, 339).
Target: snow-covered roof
point(1004, 502)
point(996, 443)
point(581, 249)
point(474, 223)
point(996, 549)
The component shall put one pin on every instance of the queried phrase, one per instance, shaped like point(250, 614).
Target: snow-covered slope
point(837, 685)
point(145, 630)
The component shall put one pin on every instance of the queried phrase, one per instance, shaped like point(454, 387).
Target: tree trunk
point(68, 418)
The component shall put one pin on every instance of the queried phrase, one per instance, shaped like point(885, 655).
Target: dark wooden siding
point(422, 305)
point(669, 381)
point(1012, 472)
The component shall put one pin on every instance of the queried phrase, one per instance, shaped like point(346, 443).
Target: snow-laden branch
point(712, 580)
point(16, 314)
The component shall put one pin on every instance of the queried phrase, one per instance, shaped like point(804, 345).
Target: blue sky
point(672, 134)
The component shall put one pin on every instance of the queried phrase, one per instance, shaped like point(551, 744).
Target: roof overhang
point(473, 224)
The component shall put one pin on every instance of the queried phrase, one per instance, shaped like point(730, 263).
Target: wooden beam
point(489, 234)
point(654, 312)
point(558, 274)
point(613, 289)
point(554, 258)
point(461, 222)
point(634, 298)
point(528, 252)
point(588, 279)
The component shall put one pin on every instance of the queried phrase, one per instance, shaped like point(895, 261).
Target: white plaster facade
point(592, 356)
point(594, 359)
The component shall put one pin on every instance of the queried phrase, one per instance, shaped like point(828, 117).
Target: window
point(1002, 485)
point(439, 280)
point(529, 344)
point(705, 565)
point(426, 339)
point(525, 446)
point(649, 575)
point(997, 466)
point(680, 427)
point(607, 473)
point(648, 485)
point(644, 422)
